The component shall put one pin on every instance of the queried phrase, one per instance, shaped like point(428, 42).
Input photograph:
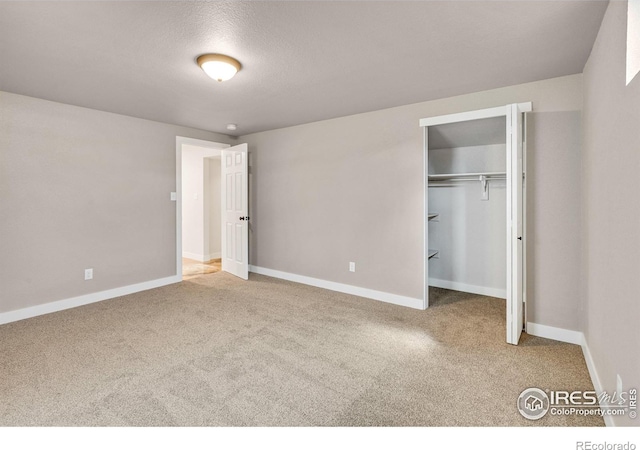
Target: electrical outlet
point(352, 267)
point(173, 197)
point(88, 274)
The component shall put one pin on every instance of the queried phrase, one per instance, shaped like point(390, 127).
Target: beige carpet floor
point(216, 350)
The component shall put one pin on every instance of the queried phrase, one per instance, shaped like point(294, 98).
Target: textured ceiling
point(302, 61)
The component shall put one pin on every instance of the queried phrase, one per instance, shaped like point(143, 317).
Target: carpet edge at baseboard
point(386, 297)
point(61, 305)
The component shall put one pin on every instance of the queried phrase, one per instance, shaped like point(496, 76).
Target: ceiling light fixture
point(219, 67)
point(232, 127)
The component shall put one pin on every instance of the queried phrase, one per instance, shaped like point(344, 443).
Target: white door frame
point(180, 141)
point(487, 113)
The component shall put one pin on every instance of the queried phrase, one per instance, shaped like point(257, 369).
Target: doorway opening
point(199, 194)
point(212, 220)
point(474, 206)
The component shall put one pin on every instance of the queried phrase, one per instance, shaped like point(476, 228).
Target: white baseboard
point(572, 337)
point(201, 258)
point(557, 334)
point(456, 286)
point(595, 379)
point(194, 256)
point(344, 288)
point(60, 305)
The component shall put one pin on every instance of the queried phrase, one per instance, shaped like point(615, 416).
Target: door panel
point(515, 305)
point(425, 132)
point(235, 216)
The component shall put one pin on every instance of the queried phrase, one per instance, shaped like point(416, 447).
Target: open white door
point(235, 211)
point(425, 301)
point(515, 238)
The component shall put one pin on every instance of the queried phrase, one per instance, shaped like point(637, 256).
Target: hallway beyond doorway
point(192, 268)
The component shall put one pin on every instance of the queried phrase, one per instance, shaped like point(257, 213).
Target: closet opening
point(474, 206)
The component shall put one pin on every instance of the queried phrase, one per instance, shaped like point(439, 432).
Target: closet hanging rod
point(455, 180)
point(447, 176)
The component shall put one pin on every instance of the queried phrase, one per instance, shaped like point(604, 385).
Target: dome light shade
point(219, 67)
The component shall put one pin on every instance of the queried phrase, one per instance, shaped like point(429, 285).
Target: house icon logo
point(533, 403)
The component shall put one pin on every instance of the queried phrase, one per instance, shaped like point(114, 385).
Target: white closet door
point(425, 131)
point(515, 198)
point(235, 211)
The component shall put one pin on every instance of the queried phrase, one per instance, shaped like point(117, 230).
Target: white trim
point(194, 256)
point(595, 379)
point(486, 113)
point(525, 107)
point(179, 141)
point(557, 334)
point(472, 288)
point(464, 116)
point(395, 299)
point(201, 258)
point(201, 143)
point(60, 305)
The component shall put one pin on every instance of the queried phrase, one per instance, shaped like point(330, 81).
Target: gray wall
point(611, 215)
point(350, 189)
point(554, 230)
point(81, 188)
